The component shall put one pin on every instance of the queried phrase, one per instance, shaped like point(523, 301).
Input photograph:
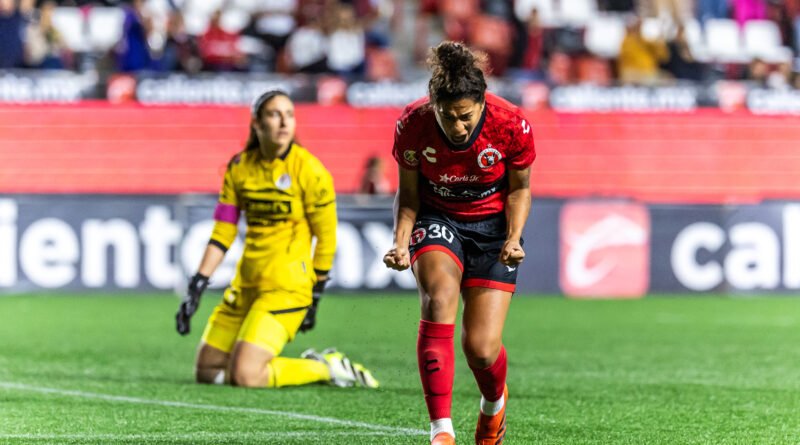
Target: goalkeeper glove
point(190, 302)
point(311, 316)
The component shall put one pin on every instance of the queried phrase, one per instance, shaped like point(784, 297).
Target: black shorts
point(474, 245)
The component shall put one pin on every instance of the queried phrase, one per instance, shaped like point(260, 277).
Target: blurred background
point(667, 133)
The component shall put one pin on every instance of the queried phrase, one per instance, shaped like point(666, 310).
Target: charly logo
point(429, 154)
point(488, 157)
point(447, 179)
point(411, 157)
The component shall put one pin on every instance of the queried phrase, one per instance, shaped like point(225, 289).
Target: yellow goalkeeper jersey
point(286, 202)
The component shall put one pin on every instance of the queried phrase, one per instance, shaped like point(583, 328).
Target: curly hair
point(457, 73)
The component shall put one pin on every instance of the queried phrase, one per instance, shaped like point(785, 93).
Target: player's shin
point(436, 361)
point(285, 371)
point(491, 382)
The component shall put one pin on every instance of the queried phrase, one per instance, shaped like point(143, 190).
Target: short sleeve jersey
point(468, 181)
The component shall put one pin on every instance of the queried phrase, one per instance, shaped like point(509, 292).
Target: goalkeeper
point(287, 197)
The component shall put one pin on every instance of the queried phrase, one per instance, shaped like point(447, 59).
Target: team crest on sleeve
point(417, 236)
point(488, 157)
point(411, 157)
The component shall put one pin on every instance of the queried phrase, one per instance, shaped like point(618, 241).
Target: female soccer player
point(287, 197)
point(463, 199)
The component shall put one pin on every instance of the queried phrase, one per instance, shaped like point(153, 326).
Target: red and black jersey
point(468, 181)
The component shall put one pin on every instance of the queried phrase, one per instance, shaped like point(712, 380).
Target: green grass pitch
point(668, 370)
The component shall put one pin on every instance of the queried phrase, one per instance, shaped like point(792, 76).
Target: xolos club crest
point(488, 157)
point(417, 236)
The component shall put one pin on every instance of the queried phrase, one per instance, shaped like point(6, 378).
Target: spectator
point(374, 181)
point(491, 35)
point(746, 10)
point(681, 63)
point(671, 11)
point(711, 9)
point(44, 47)
point(218, 48)
point(639, 59)
point(781, 77)
point(532, 59)
point(274, 23)
point(133, 49)
point(13, 20)
point(377, 17)
point(780, 12)
point(181, 52)
point(758, 73)
point(346, 42)
point(306, 49)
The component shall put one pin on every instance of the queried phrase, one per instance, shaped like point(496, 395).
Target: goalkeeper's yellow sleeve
point(227, 211)
point(323, 226)
point(224, 235)
point(320, 203)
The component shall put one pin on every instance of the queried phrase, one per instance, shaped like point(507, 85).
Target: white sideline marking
point(237, 409)
point(199, 435)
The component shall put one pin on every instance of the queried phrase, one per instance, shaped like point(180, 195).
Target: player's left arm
point(518, 202)
point(518, 206)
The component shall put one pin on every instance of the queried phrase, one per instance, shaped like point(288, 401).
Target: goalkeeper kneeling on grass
point(287, 197)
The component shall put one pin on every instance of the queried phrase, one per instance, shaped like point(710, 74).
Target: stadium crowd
point(561, 42)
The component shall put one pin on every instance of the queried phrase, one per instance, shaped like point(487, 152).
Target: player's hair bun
point(452, 57)
point(457, 72)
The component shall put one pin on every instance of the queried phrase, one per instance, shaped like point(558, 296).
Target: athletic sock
point(285, 371)
point(436, 360)
point(442, 426)
point(491, 383)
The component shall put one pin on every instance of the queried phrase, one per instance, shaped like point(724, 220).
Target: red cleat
point(491, 430)
point(443, 439)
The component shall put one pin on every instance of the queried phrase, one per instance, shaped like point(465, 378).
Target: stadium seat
point(694, 36)
point(724, 43)
point(196, 23)
point(70, 23)
point(246, 5)
point(204, 7)
point(577, 13)
point(654, 28)
point(159, 12)
point(545, 8)
point(105, 27)
point(762, 39)
point(234, 20)
point(159, 8)
point(604, 35)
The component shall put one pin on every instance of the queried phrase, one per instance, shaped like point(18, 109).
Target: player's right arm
point(226, 217)
point(406, 202)
point(406, 206)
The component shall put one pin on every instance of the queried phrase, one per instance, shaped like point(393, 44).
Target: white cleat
point(364, 377)
point(344, 373)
